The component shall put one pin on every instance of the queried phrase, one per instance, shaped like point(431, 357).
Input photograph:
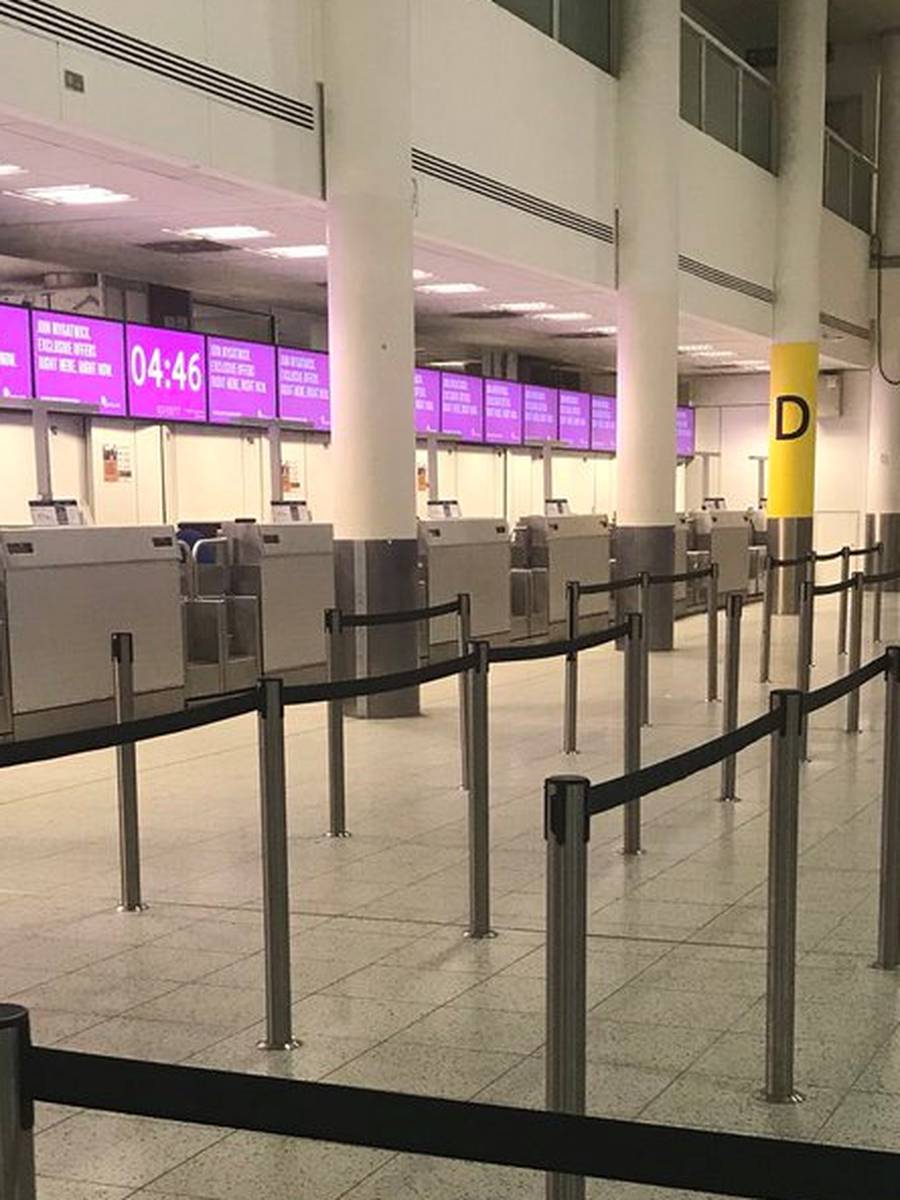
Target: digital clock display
point(166, 374)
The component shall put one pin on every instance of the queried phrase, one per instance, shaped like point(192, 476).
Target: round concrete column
point(647, 368)
point(884, 419)
point(802, 38)
point(371, 325)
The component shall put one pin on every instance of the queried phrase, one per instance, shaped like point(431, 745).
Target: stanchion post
point(337, 768)
point(645, 593)
point(567, 830)
point(878, 599)
point(712, 633)
point(857, 598)
point(804, 637)
point(765, 645)
point(734, 608)
point(889, 878)
point(632, 746)
point(479, 795)
point(784, 804)
point(17, 1179)
point(842, 610)
point(812, 560)
point(464, 630)
point(276, 892)
point(570, 715)
point(130, 899)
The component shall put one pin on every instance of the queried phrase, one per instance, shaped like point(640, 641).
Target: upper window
point(584, 26)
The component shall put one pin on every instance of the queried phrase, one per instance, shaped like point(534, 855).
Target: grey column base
point(380, 576)
point(789, 537)
point(885, 527)
point(649, 548)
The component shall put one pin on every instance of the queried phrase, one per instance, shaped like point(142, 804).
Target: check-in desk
point(289, 569)
point(63, 593)
point(725, 533)
point(568, 547)
point(465, 554)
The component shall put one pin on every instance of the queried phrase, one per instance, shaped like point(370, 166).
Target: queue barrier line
point(349, 689)
point(832, 589)
point(832, 555)
point(726, 1164)
point(867, 551)
point(585, 641)
point(883, 577)
point(682, 576)
point(839, 688)
point(401, 616)
point(610, 586)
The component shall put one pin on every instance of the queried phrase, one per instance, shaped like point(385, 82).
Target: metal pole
point(804, 637)
point(879, 596)
point(889, 880)
point(857, 600)
point(464, 630)
point(784, 804)
point(276, 892)
point(734, 607)
point(765, 649)
point(337, 769)
point(570, 715)
point(479, 796)
point(632, 748)
point(16, 1108)
point(644, 609)
point(811, 563)
point(712, 633)
point(567, 830)
point(842, 611)
point(126, 778)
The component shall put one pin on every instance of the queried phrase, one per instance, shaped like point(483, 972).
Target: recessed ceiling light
point(562, 316)
point(714, 354)
point(11, 169)
point(452, 364)
point(695, 347)
point(605, 330)
point(524, 306)
point(71, 193)
point(751, 364)
point(419, 276)
point(450, 289)
point(223, 233)
point(312, 251)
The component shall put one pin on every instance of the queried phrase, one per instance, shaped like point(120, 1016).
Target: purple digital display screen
point(462, 406)
point(502, 412)
point(241, 381)
point(79, 360)
point(166, 374)
point(15, 353)
point(575, 420)
point(541, 413)
point(428, 401)
point(603, 424)
point(303, 387)
point(685, 432)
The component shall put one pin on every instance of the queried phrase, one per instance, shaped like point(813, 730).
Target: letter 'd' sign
point(791, 418)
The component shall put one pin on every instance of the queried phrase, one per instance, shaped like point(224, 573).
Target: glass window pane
point(720, 118)
point(861, 196)
point(538, 13)
point(584, 28)
point(837, 178)
point(691, 55)
point(756, 128)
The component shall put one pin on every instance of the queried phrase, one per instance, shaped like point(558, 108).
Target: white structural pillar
point(647, 367)
point(802, 41)
point(884, 422)
point(371, 325)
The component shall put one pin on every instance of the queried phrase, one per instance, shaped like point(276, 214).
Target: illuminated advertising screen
point(428, 401)
point(462, 406)
point(502, 412)
point(541, 413)
point(303, 388)
point(575, 420)
point(685, 432)
point(166, 374)
point(79, 360)
point(15, 353)
point(603, 424)
point(241, 381)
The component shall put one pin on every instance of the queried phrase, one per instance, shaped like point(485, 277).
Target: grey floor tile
point(401, 983)
point(157, 1041)
point(611, 1090)
point(704, 1102)
point(638, 1003)
point(65, 1189)
point(478, 1029)
point(407, 1067)
point(865, 1119)
point(351, 1017)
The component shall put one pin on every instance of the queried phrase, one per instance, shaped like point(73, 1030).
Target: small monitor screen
point(166, 374)
point(15, 353)
point(79, 360)
point(603, 424)
point(462, 406)
point(502, 412)
point(241, 378)
point(575, 420)
point(303, 388)
point(541, 406)
point(428, 401)
point(685, 432)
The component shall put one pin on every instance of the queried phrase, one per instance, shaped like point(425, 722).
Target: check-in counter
point(726, 534)
point(464, 554)
point(568, 547)
point(63, 593)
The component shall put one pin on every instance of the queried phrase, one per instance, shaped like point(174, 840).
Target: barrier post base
point(293, 1044)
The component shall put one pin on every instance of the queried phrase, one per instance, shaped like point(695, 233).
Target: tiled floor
point(388, 994)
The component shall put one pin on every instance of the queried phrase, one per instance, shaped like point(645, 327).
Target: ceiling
point(751, 24)
point(37, 239)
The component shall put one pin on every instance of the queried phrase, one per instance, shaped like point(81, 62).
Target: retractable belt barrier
point(401, 617)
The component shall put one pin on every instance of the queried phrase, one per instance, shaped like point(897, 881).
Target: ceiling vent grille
point(841, 326)
point(501, 193)
point(49, 20)
point(733, 283)
point(187, 246)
